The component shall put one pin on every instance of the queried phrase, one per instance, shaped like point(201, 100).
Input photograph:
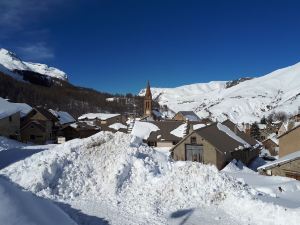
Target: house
point(10, 115)
point(216, 144)
point(289, 141)
point(39, 126)
point(64, 118)
point(186, 115)
point(78, 130)
point(271, 143)
point(169, 133)
point(287, 166)
point(101, 119)
point(296, 117)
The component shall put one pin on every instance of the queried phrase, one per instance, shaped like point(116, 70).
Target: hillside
point(246, 101)
point(65, 97)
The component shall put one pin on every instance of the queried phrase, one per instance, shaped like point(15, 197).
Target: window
point(194, 153)
point(10, 118)
point(193, 140)
point(174, 142)
point(32, 137)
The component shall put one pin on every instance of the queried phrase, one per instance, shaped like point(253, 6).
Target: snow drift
point(137, 181)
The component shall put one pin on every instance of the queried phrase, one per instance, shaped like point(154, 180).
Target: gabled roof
point(285, 159)
point(165, 129)
point(46, 113)
point(241, 134)
point(63, 117)
point(36, 124)
point(9, 108)
point(222, 137)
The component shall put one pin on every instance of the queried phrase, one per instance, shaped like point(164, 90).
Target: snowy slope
point(10, 62)
point(107, 175)
point(247, 101)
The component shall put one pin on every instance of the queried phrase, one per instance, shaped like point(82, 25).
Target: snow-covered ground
point(247, 101)
point(108, 179)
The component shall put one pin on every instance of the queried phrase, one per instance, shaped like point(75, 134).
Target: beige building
point(10, 125)
point(289, 141)
point(287, 166)
point(216, 144)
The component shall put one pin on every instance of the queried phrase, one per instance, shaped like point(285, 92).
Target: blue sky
point(116, 46)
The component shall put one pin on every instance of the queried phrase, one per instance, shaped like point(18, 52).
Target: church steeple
point(148, 101)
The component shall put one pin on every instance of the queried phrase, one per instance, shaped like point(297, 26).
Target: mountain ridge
point(246, 101)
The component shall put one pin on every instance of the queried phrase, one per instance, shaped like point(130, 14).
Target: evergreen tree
point(263, 120)
point(254, 131)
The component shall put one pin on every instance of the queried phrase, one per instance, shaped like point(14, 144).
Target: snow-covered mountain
point(10, 62)
point(246, 101)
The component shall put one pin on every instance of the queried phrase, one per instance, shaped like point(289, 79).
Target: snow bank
point(6, 143)
point(143, 130)
point(19, 207)
point(136, 181)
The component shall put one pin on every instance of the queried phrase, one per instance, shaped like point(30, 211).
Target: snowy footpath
point(114, 179)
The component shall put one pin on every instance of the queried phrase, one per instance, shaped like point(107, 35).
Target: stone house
point(287, 166)
point(39, 126)
point(216, 144)
point(10, 125)
point(289, 141)
point(10, 115)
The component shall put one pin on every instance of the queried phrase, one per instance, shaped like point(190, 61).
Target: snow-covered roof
point(64, 117)
point(282, 160)
point(100, 116)
point(8, 108)
point(180, 131)
point(143, 129)
point(231, 134)
point(198, 126)
point(262, 126)
point(117, 126)
point(273, 137)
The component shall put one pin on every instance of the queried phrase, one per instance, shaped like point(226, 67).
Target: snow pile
point(180, 131)
point(21, 207)
point(231, 134)
point(137, 182)
point(10, 62)
point(6, 143)
point(143, 130)
point(117, 126)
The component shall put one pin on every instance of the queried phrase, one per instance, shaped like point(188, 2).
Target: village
point(273, 142)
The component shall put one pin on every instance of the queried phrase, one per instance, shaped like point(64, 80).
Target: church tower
point(148, 101)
